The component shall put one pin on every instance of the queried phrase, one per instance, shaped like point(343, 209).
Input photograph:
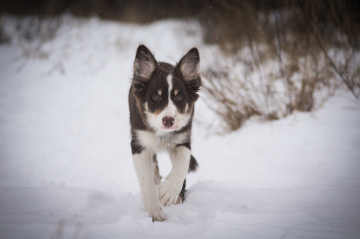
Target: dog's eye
point(156, 97)
point(179, 97)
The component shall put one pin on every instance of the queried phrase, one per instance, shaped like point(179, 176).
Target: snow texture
point(66, 169)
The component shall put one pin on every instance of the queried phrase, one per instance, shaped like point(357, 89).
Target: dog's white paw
point(153, 207)
point(169, 191)
point(156, 214)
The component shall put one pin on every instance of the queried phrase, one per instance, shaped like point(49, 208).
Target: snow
point(65, 162)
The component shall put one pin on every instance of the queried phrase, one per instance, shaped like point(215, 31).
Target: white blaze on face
point(156, 120)
point(170, 83)
point(169, 111)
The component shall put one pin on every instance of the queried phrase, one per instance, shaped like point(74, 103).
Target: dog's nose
point(168, 121)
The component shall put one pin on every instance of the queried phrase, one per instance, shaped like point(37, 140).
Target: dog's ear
point(144, 64)
point(189, 66)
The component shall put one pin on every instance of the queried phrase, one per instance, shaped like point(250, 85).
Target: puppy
point(161, 103)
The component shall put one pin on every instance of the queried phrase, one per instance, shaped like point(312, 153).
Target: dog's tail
point(193, 165)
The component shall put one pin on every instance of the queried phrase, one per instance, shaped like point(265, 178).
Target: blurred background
point(312, 46)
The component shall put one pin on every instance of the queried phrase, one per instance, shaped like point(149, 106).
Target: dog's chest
point(163, 142)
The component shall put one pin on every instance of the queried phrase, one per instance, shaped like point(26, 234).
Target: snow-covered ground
point(65, 161)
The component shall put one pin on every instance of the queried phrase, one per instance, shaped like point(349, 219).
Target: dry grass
point(291, 58)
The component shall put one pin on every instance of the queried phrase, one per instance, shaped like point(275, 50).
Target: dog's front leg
point(143, 163)
point(170, 189)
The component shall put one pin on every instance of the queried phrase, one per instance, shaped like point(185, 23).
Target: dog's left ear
point(189, 65)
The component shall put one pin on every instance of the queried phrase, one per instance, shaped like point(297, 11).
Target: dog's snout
point(168, 121)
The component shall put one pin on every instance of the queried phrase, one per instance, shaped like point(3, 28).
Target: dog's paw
point(152, 206)
point(169, 191)
point(157, 215)
point(155, 212)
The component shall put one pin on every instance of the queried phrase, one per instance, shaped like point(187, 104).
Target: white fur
point(158, 141)
point(170, 189)
point(171, 111)
point(170, 83)
point(180, 157)
point(144, 169)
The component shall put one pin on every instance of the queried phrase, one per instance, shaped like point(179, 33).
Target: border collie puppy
point(161, 103)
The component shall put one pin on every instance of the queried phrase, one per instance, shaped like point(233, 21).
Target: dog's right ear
point(144, 64)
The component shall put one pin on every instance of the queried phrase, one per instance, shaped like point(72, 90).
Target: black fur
point(193, 165)
point(183, 190)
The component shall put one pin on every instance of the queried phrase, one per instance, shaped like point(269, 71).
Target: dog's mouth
point(169, 128)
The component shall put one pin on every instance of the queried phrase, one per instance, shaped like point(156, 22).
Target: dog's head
point(165, 93)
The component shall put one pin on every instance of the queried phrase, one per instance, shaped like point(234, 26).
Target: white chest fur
point(160, 142)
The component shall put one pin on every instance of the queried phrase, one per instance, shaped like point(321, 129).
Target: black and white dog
point(161, 102)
